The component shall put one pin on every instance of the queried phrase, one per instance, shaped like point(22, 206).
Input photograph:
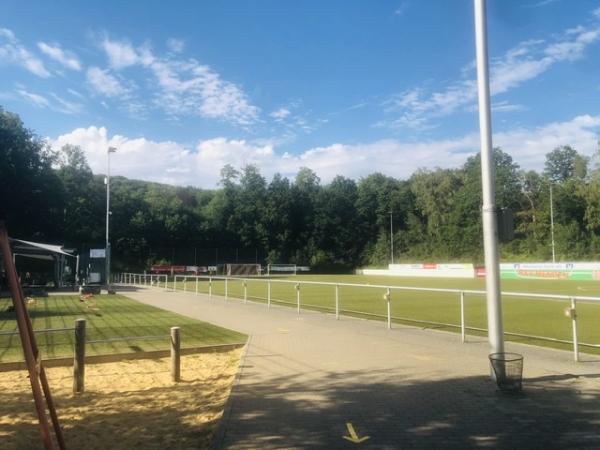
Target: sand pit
point(127, 405)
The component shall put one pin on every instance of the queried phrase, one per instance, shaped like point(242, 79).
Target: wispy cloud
point(172, 162)
point(51, 101)
point(541, 3)
point(175, 45)
point(185, 87)
point(120, 54)
point(401, 9)
point(104, 83)
point(34, 99)
point(64, 57)
point(416, 107)
point(280, 114)
point(13, 52)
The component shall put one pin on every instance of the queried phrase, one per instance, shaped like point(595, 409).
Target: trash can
point(508, 369)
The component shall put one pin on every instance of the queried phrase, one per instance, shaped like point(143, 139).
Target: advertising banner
point(551, 271)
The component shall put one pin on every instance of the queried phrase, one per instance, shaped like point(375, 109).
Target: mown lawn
point(114, 324)
point(530, 316)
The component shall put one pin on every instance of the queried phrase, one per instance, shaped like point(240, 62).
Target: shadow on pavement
point(410, 413)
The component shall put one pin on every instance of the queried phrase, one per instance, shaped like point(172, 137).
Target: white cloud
point(280, 114)
point(64, 57)
point(34, 99)
point(105, 83)
point(597, 12)
point(120, 54)
point(175, 45)
point(174, 163)
point(66, 106)
point(185, 87)
point(12, 52)
point(57, 104)
point(529, 59)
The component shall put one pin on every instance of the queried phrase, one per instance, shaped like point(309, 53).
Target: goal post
point(284, 268)
point(242, 269)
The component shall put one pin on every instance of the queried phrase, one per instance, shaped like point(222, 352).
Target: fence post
point(268, 293)
point(167, 283)
point(298, 296)
point(462, 316)
point(175, 283)
point(245, 291)
point(184, 283)
point(196, 284)
point(388, 297)
point(226, 288)
point(209, 288)
point(337, 302)
point(574, 323)
point(175, 353)
point(79, 357)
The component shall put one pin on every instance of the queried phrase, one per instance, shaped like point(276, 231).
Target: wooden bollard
point(175, 353)
point(79, 358)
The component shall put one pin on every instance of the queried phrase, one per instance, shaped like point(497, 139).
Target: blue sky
point(343, 87)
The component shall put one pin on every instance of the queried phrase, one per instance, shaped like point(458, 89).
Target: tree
point(564, 163)
point(31, 196)
point(84, 199)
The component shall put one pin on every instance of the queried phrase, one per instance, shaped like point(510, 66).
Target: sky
point(343, 87)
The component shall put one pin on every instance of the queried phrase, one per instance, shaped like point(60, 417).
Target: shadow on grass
point(294, 412)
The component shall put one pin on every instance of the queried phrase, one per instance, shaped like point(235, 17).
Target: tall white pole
point(490, 232)
point(552, 225)
point(392, 235)
point(107, 254)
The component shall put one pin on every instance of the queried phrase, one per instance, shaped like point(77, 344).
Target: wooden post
point(175, 354)
point(79, 361)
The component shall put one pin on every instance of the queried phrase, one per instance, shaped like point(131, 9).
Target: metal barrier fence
point(140, 279)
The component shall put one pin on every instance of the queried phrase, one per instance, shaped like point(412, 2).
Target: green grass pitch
point(534, 317)
point(115, 317)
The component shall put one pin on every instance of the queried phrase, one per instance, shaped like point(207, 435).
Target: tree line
point(53, 196)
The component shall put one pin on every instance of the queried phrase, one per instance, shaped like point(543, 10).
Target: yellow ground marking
point(283, 330)
point(353, 436)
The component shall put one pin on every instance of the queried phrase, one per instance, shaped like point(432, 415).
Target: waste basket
point(508, 369)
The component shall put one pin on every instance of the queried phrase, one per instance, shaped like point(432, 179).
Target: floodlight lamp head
point(112, 149)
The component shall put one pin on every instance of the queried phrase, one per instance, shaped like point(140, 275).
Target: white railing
point(139, 279)
point(143, 279)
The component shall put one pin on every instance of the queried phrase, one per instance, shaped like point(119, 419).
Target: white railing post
point(226, 288)
point(175, 283)
point(462, 317)
point(298, 297)
point(574, 323)
point(185, 283)
point(268, 293)
point(388, 297)
point(196, 284)
point(166, 282)
point(209, 288)
point(245, 291)
point(337, 302)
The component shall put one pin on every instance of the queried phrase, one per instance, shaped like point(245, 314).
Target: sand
point(127, 405)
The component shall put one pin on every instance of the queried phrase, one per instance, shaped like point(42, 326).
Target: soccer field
point(535, 317)
point(116, 324)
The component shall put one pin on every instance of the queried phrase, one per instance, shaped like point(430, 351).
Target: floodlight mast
point(490, 232)
point(107, 251)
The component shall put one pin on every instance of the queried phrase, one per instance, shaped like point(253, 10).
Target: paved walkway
point(304, 378)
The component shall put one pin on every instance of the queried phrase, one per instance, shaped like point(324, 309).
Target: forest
point(52, 196)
